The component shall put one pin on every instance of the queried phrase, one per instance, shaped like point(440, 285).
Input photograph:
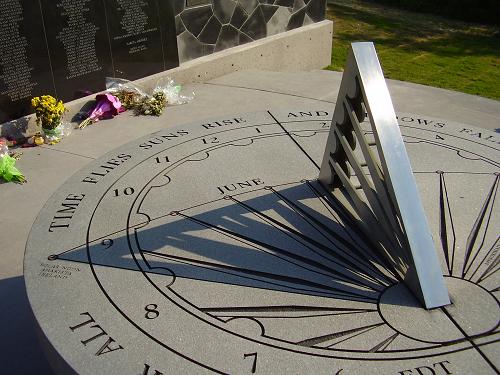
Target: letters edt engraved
point(438, 368)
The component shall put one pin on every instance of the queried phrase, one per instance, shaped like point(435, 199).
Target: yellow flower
point(48, 110)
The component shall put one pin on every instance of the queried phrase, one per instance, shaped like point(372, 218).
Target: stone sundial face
point(212, 248)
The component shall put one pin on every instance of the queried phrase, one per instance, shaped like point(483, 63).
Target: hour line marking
point(294, 140)
point(320, 339)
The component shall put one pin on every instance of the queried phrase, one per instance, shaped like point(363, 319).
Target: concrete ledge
point(305, 48)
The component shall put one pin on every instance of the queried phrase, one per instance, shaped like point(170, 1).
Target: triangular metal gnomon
point(368, 169)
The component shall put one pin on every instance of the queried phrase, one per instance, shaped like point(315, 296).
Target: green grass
point(420, 48)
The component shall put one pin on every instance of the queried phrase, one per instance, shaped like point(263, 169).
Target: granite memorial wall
point(67, 48)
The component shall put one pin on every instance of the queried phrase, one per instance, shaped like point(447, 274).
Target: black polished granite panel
point(66, 48)
point(78, 46)
point(140, 37)
point(24, 59)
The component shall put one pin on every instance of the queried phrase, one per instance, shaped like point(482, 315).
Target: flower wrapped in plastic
point(8, 170)
point(173, 92)
point(107, 106)
point(152, 105)
point(126, 91)
point(134, 97)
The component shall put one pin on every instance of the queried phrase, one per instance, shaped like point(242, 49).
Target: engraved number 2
point(210, 140)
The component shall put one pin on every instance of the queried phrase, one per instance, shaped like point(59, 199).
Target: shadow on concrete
point(276, 241)
point(20, 350)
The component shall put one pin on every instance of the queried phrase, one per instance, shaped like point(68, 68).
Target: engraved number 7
point(254, 365)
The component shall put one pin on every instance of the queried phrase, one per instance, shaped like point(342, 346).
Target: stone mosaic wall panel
point(204, 27)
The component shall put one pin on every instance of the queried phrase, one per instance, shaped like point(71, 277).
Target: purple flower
point(107, 106)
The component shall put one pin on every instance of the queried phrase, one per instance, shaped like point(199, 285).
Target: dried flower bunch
point(48, 111)
point(152, 105)
point(129, 99)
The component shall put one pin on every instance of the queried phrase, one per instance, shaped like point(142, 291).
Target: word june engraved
point(87, 326)
point(239, 185)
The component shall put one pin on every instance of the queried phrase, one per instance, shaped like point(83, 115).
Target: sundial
point(217, 247)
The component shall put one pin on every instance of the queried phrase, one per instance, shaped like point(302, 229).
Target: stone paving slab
point(48, 167)
point(406, 97)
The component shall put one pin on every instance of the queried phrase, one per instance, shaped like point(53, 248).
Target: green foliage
point(484, 11)
point(420, 48)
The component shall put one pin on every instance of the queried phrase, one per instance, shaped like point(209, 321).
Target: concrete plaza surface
point(47, 167)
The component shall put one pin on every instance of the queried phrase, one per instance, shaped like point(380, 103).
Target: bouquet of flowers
point(133, 97)
point(8, 170)
point(122, 95)
point(106, 106)
point(49, 112)
point(151, 105)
